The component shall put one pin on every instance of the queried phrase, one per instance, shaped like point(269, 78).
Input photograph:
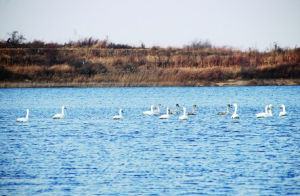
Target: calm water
point(89, 153)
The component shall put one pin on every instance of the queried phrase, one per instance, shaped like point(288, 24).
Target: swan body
point(120, 116)
point(235, 115)
point(61, 115)
point(151, 112)
point(193, 112)
point(156, 112)
point(263, 114)
point(184, 116)
point(283, 112)
point(165, 116)
point(24, 119)
point(224, 112)
point(175, 111)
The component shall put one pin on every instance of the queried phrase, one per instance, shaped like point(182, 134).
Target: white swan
point(120, 116)
point(235, 115)
point(263, 114)
point(61, 115)
point(151, 112)
point(193, 112)
point(165, 116)
point(24, 119)
point(224, 112)
point(184, 116)
point(176, 110)
point(156, 112)
point(283, 112)
point(270, 110)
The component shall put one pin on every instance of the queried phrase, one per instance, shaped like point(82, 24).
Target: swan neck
point(266, 109)
point(27, 114)
point(283, 108)
point(235, 109)
point(270, 111)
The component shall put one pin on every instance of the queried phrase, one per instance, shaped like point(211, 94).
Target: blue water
point(88, 153)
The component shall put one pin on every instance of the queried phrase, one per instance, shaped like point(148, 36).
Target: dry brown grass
point(30, 69)
point(187, 66)
point(61, 68)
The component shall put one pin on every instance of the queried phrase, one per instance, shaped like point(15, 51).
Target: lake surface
point(89, 153)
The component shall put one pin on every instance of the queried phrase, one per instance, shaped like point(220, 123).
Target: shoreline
point(252, 82)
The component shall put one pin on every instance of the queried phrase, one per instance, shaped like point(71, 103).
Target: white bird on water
point(151, 112)
point(24, 119)
point(156, 112)
point(165, 116)
point(263, 114)
point(176, 110)
point(270, 110)
point(193, 112)
point(224, 112)
point(184, 116)
point(61, 115)
point(234, 115)
point(283, 112)
point(120, 116)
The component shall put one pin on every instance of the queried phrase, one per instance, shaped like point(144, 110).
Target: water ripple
point(88, 153)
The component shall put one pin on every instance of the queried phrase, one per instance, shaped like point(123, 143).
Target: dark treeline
point(93, 60)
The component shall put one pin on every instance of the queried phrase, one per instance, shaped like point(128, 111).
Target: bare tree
point(15, 38)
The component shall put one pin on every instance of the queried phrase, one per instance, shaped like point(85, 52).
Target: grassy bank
point(253, 82)
point(97, 63)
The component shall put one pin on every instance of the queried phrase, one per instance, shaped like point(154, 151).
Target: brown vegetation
point(100, 62)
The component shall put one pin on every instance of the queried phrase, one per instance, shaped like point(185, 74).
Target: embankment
point(69, 66)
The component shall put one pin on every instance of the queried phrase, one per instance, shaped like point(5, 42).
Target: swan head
point(194, 106)
point(152, 106)
point(27, 110)
point(64, 107)
point(229, 105)
point(177, 105)
point(234, 105)
point(282, 106)
point(121, 111)
point(271, 106)
point(159, 105)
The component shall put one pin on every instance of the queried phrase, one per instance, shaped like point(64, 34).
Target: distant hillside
point(98, 63)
